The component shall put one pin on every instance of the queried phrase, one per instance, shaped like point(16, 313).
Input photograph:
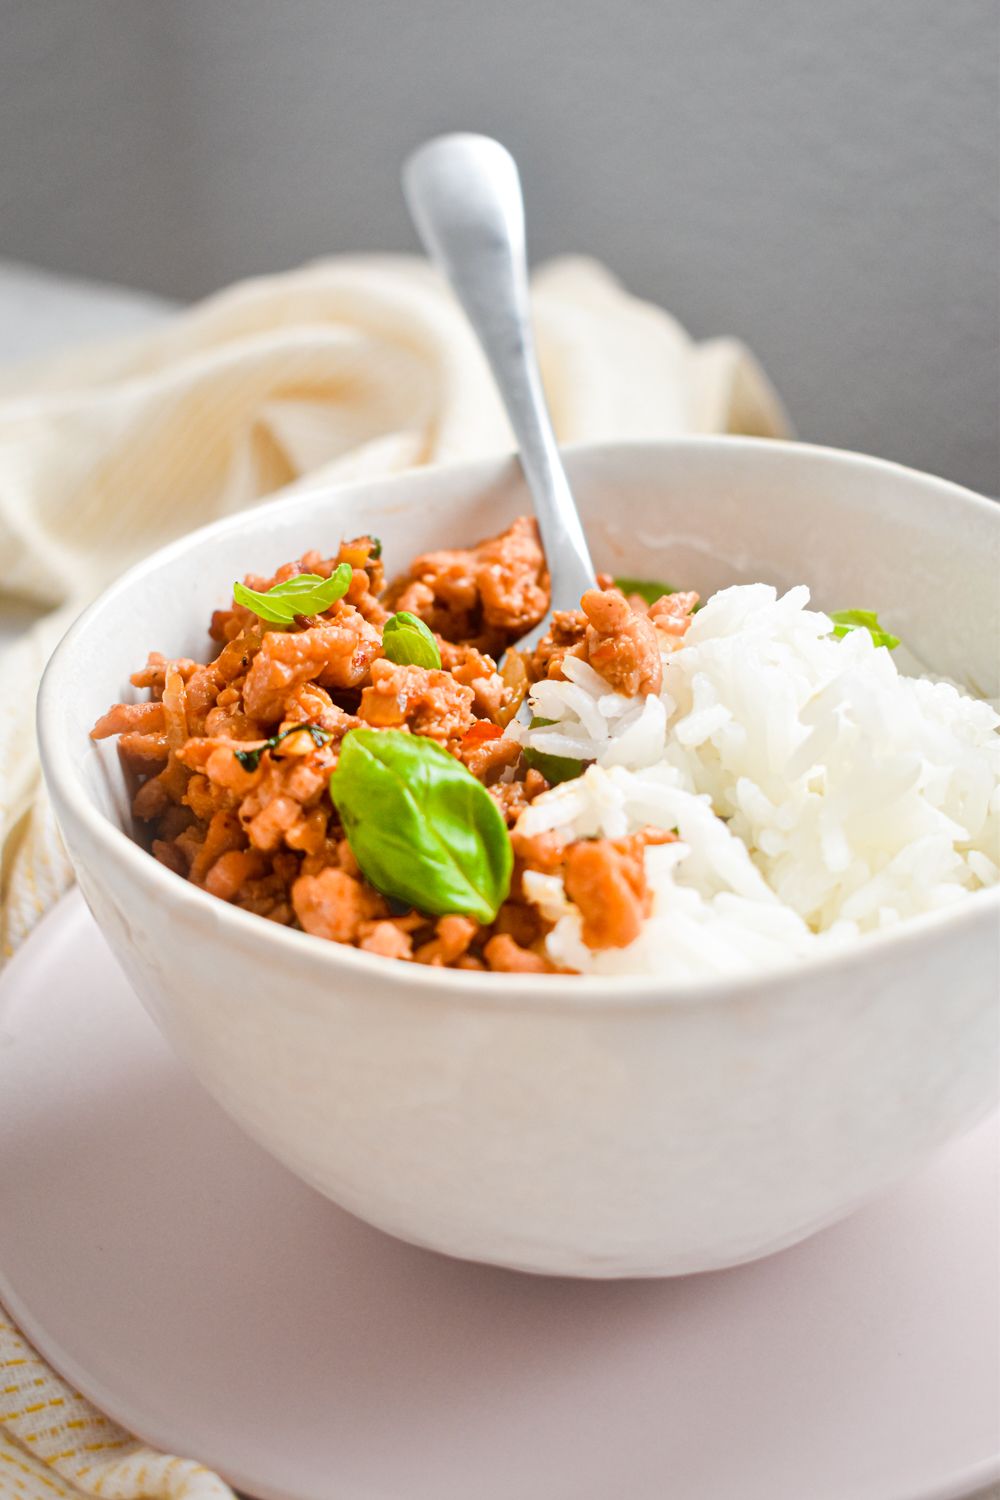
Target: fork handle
point(464, 194)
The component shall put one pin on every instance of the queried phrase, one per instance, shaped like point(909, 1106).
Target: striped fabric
point(54, 1443)
point(336, 371)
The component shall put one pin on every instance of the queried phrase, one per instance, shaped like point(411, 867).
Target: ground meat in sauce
point(620, 644)
point(484, 596)
point(261, 831)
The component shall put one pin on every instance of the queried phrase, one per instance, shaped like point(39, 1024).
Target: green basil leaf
point(421, 827)
point(376, 551)
point(846, 620)
point(650, 592)
point(555, 768)
point(305, 594)
point(250, 759)
point(407, 640)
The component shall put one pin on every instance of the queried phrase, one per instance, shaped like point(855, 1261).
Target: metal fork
point(464, 194)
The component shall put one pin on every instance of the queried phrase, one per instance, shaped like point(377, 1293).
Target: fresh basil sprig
point(250, 759)
point(846, 620)
point(422, 828)
point(305, 594)
point(407, 640)
point(555, 768)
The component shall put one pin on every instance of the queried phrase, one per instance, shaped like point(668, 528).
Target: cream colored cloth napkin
point(343, 369)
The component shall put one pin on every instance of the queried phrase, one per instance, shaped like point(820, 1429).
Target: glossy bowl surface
point(567, 1125)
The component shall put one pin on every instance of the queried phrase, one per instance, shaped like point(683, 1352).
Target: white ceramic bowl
point(579, 1126)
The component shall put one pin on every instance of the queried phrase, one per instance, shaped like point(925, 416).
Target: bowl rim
point(560, 991)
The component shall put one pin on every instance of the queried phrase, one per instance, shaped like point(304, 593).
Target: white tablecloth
point(41, 313)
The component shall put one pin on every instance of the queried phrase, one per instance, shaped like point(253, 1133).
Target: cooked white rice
point(818, 793)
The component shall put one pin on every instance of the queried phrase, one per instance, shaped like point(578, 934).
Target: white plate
point(208, 1300)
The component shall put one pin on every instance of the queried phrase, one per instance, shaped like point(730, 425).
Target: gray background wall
point(817, 176)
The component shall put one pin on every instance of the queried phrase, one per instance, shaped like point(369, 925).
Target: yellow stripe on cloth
point(54, 1443)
